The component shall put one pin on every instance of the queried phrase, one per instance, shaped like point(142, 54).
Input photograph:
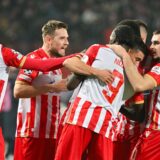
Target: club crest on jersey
point(84, 59)
point(28, 72)
point(32, 56)
point(156, 69)
point(18, 54)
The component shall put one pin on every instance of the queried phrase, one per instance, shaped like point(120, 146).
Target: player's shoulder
point(35, 54)
point(156, 68)
point(96, 47)
point(1, 45)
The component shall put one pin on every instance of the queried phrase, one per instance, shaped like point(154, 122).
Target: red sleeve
point(45, 64)
point(91, 53)
point(155, 73)
point(12, 57)
point(27, 75)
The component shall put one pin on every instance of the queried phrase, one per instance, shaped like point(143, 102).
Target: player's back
point(97, 92)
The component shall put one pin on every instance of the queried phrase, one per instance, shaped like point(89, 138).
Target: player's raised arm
point(134, 108)
point(77, 66)
point(16, 59)
point(138, 82)
point(44, 64)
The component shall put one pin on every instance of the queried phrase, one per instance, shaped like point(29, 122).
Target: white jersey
point(153, 114)
point(97, 104)
point(8, 57)
point(4, 74)
point(39, 116)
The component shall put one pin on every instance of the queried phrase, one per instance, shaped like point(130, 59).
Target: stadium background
point(89, 21)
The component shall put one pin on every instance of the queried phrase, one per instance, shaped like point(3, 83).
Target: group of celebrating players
point(106, 117)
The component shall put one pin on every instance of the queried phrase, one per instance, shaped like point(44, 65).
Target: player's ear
point(130, 51)
point(47, 38)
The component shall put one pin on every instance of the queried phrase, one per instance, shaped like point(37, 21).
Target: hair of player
point(50, 27)
point(156, 32)
point(123, 35)
point(133, 24)
point(141, 23)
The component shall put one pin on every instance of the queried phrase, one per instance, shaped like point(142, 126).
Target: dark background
point(89, 21)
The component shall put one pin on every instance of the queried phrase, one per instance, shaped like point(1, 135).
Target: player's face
point(59, 42)
point(137, 56)
point(155, 46)
point(143, 33)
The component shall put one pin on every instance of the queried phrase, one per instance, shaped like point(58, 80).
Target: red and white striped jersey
point(71, 100)
point(153, 117)
point(8, 57)
point(126, 128)
point(97, 104)
point(39, 116)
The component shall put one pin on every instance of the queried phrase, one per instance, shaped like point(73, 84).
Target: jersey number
point(114, 87)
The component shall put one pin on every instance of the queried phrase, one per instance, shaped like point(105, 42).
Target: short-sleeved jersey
point(39, 116)
point(8, 57)
point(153, 117)
point(97, 104)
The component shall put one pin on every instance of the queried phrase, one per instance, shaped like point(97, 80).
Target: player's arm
point(25, 90)
point(16, 59)
point(138, 82)
point(75, 65)
point(43, 64)
point(134, 112)
point(134, 108)
point(74, 80)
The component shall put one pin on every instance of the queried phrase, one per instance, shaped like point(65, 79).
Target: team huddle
point(106, 117)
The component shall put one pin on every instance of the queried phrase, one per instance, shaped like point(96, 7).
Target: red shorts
point(148, 146)
point(2, 146)
point(34, 149)
point(76, 140)
point(122, 148)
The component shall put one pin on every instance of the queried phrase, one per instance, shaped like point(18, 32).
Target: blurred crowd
point(89, 21)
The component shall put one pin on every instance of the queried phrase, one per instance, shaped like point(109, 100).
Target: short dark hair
point(141, 23)
point(124, 35)
point(50, 27)
point(156, 32)
point(133, 24)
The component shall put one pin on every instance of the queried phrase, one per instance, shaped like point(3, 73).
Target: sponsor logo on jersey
point(28, 72)
point(84, 59)
point(156, 69)
point(32, 56)
point(18, 54)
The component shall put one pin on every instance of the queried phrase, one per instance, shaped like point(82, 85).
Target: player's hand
point(119, 50)
point(74, 80)
point(105, 76)
point(59, 86)
point(81, 54)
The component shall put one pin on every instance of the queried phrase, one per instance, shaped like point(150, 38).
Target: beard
point(55, 53)
point(156, 60)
